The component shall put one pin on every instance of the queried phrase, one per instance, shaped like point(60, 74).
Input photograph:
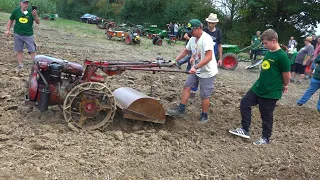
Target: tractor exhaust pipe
point(44, 94)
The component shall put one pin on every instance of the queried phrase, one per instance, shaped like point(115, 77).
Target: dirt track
point(38, 145)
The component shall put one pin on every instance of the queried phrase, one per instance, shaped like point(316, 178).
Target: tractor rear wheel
point(129, 39)
point(229, 61)
point(154, 40)
point(172, 41)
point(159, 42)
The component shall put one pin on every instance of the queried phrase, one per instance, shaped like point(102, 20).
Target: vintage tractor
point(128, 36)
point(171, 40)
point(153, 31)
point(87, 103)
point(231, 56)
point(106, 24)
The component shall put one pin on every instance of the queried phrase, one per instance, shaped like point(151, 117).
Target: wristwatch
point(196, 67)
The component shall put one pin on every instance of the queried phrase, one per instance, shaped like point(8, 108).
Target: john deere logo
point(265, 65)
point(23, 20)
point(189, 25)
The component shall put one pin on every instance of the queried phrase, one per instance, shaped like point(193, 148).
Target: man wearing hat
point(203, 71)
point(216, 35)
point(301, 60)
point(23, 30)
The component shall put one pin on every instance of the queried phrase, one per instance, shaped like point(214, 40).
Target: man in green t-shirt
point(267, 90)
point(255, 43)
point(23, 30)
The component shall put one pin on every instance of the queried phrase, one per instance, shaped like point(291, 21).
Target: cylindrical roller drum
point(138, 106)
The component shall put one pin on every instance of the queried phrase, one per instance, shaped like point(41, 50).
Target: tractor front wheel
point(172, 41)
point(229, 61)
point(109, 37)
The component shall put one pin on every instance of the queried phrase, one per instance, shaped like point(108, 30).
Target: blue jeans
point(184, 60)
point(314, 86)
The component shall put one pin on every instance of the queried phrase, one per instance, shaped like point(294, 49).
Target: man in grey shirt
point(301, 60)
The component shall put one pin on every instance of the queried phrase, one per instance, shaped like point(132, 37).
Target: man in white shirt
point(202, 73)
point(176, 29)
point(292, 43)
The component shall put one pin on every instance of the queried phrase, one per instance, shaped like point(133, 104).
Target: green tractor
point(231, 56)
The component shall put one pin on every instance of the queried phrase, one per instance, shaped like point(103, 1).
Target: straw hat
point(308, 39)
point(212, 18)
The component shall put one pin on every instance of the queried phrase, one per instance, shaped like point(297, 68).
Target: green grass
point(76, 27)
point(4, 16)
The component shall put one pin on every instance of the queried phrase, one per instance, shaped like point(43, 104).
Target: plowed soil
point(39, 145)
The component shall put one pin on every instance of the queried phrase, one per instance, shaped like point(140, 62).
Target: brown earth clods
point(39, 145)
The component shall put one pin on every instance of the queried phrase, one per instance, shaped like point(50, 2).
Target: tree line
point(239, 19)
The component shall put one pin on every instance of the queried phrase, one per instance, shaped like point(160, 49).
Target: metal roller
point(138, 106)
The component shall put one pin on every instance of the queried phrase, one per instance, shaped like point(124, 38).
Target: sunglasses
point(191, 29)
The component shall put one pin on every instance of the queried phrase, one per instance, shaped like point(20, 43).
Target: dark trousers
point(266, 108)
point(254, 53)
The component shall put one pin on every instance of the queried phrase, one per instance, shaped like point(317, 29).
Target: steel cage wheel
point(89, 106)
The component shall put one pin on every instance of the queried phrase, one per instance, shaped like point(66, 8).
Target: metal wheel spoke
point(74, 112)
point(84, 103)
point(106, 107)
point(82, 119)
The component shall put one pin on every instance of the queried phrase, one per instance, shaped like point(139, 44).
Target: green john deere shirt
point(270, 83)
point(23, 22)
point(256, 41)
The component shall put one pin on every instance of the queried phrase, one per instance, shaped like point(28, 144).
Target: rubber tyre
point(159, 42)
point(172, 42)
point(229, 61)
point(128, 39)
point(109, 37)
point(154, 40)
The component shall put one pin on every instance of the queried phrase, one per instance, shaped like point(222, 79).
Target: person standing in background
point(216, 35)
point(292, 43)
point(175, 29)
point(23, 30)
point(255, 43)
point(314, 41)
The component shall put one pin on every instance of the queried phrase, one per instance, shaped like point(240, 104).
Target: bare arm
point(220, 54)
point(186, 36)
point(182, 54)
point(9, 25)
point(207, 58)
point(286, 79)
point(306, 60)
point(35, 15)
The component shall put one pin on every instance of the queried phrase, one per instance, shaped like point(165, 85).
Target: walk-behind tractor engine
point(87, 102)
